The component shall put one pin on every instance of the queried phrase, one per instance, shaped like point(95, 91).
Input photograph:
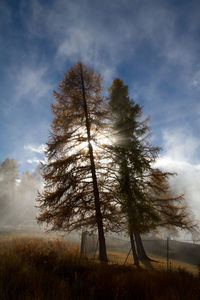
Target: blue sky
point(153, 45)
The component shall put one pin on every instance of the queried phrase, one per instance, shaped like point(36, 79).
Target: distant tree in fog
point(8, 186)
point(17, 194)
point(27, 191)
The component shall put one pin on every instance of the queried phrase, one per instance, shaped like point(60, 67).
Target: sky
point(152, 45)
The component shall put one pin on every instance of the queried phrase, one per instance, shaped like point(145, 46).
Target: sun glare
point(98, 142)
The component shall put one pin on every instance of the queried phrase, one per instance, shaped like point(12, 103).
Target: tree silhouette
point(145, 198)
point(74, 194)
point(134, 156)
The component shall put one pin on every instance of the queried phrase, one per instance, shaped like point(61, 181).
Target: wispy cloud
point(105, 38)
point(180, 149)
point(30, 84)
point(34, 153)
point(35, 148)
point(180, 144)
point(33, 160)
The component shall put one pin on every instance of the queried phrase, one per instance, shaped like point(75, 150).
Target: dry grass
point(159, 264)
point(36, 269)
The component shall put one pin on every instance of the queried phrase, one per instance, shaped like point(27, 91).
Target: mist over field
point(18, 195)
point(180, 156)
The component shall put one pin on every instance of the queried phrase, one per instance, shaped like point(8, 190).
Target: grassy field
point(38, 268)
point(159, 264)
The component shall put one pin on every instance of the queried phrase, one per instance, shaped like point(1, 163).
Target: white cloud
point(84, 31)
point(74, 32)
point(33, 160)
point(178, 157)
point(180, 145)
point(36, 148)
point(31, 83)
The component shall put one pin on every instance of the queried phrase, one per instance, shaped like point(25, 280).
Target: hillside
point(180, 251)
point(36, 268)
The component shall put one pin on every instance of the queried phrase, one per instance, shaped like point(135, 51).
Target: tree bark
point(99, 217)
point(140, 248)
point(135, 257)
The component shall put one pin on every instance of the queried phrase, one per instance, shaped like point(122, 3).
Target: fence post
point(83, 239)
point(167, 253)
point(127, 256)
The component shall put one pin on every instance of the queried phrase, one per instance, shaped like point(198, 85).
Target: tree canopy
point(143, 191)
point(74, 195)
point(99, 171)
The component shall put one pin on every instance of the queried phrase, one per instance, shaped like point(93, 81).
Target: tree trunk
point(140, 248)
point(99, 218)
point(135, 257)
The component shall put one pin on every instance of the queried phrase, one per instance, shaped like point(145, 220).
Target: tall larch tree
point(74, 196)
point(143, 192)
point(134, 156)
